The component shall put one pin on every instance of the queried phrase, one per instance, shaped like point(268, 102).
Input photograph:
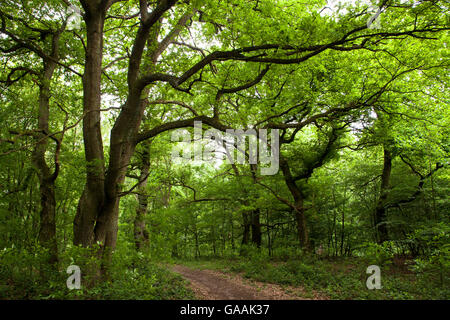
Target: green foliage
point(434, 265)
point(331, 278)
point(341, 94)
point(24, 274)
point(22, 271)
point(378, 254)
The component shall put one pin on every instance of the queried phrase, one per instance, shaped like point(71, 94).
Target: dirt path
point(215, 285)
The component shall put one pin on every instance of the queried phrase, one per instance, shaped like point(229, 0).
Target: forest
point(148, 148)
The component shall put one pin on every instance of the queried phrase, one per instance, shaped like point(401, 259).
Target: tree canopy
point(93, 91)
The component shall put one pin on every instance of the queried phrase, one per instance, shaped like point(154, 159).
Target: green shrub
point(433, 266)
point(25, 274)
point(378, 254)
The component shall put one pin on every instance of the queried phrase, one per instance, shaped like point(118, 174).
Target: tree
point(286, 56)
point(43, 41)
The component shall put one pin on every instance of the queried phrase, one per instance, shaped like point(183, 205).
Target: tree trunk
point(246, 225)
point(141, 235)
point(256, 228)
point(97, 215)
point(123, 143)
point(232, 234)
point(302, 229)
point(197, 246)
point(47, 228)
point(299, 211)
point(93, 196)
point(380, 209)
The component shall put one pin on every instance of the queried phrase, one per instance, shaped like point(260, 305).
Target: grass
point(131, 277)
point(342, 278)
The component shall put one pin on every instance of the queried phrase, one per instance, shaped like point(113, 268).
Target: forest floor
point(305, 278)
point(217, 285)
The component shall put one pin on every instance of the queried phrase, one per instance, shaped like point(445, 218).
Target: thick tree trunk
point(302, 230)
point(299, 211)
point(141, 235)
point(97, 215)
point(123, 142)
point(47, 228)
point(246, 224)
point(121, 150)
point(246, 218)
point(380, 209)
point(93, 197)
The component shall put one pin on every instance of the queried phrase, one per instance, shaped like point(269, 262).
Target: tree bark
point(256, 228)
point(141, 235)
point(302, 228)
point(93, 197)
point(299, 210)
point(96, 220)
point(246, 231)
point(125, 129)
point(380, 209)
point(47, 228)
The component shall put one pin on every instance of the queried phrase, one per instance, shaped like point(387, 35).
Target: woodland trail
point(215, 285)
